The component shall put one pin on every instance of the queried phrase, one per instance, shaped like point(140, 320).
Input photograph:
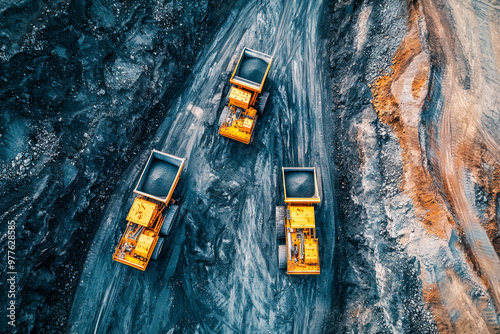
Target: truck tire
point(157, 251)
point(169, 220)
point(261, 103)
point(282, 256)
point(280, 222)
point(223, 116)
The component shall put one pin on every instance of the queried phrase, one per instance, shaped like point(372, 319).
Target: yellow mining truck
point(246, 100)
point(295, 223)
point(152, 213)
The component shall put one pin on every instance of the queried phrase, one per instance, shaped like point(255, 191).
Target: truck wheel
point(169, 220)
point(224, 115)
point(260, 106)
point(282, 256)
point(157, 251)
point(280, 222)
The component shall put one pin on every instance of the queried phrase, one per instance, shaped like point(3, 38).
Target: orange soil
point(432, 297)
point(428, 205)
point(418, 83)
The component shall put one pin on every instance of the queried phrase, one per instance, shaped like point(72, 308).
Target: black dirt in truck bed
point(159, 178)
point(252, 69)
point(299, 184)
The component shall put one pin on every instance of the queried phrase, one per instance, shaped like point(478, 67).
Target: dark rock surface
point(299, 184)
point(378, 287)
point(159, 178)
point(252, 69)
point(83, 86)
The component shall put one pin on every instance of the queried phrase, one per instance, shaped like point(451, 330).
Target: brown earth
point(398, 98)
point(417, 182)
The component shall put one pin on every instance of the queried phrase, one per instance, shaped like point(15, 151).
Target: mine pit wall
point(447, 167)
point(441, 193)
point(379, 287)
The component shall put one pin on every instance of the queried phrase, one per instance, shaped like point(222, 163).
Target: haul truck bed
point(296, 224)
point(251, 70)
point(152, 212)
point(246, 99)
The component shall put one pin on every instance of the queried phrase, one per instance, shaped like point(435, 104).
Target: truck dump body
point(296, 222)
point(160, 176)
point(251, 70)
point(147, 214)
point(300, 185)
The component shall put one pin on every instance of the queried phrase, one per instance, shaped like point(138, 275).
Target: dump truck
point(295, 222)
point(153, 211)
point(246, 100)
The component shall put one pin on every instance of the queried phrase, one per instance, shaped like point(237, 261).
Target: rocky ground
point(84, 85)
point(395, 102)
point(417, 166)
